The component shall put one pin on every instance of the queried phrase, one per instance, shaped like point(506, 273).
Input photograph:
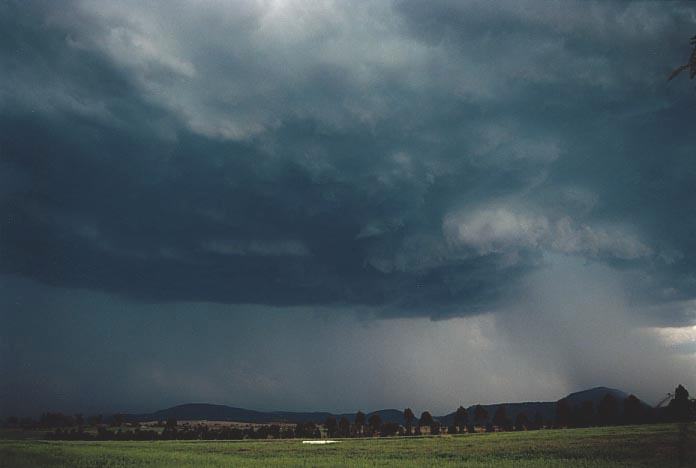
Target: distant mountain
point(547, 409)
point(209, 412)
point(595, 395)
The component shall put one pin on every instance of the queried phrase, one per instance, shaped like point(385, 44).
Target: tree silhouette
point(307, 429)
point(521, 421)
point(344, 426)
point(608, 410)
point(480, 415)
point(409, 417)
point(633, 410)
point(426, 419)
point(359, 422)
point(563, 413)
point(690, 65)
point(587, 415)
point(500, 419)
point(582, 415)
point(331, 426)
point(680, 408)
point(389, 429)
point(461, 419)
point(375, 423)
point(538, 420)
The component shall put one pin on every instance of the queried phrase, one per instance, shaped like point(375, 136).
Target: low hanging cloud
point(500, 230)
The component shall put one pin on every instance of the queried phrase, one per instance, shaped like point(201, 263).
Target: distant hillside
point(205, 411)
point(209, 412)
point(595, 395)
point(547, 409)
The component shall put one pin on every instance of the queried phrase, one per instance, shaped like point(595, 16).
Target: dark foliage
point(521, 422)
point(375, 424)
point(681, 408)
point(461, 419)
point(331, 426)
point(563, 413)
point(409, 417)
point(608, 410)
point(480, 415)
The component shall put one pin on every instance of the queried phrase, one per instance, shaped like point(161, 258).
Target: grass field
point(627, 446)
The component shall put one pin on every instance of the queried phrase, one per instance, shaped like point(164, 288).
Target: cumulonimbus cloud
point(382, 155)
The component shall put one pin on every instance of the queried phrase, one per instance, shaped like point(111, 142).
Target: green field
point(628, 446)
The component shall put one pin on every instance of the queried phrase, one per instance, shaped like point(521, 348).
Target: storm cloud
point(387, 160)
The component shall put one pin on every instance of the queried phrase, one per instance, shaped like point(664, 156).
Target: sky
point(291, 205)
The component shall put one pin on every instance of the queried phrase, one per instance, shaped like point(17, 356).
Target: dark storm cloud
point(410, 157)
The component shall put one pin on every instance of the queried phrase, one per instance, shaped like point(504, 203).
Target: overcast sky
point(343, 205)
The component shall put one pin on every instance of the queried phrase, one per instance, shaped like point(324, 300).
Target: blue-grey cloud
point(197, 199)
point(417, 159)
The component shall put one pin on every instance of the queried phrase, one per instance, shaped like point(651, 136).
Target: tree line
point(609, 411)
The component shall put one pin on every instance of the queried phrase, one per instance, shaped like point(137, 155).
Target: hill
point(211, 412)
point(547, 409)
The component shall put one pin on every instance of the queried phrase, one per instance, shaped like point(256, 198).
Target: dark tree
point(426, 419)
point(680, 408)
point(461, 419)
point(389, 429)
point(359, 423)
point(689, 65)
point(563, 413)
point(375, 423)
point(171, 422)
point(435, 428)
point(608, 410)
point(582, 415)
point(344, 427)
point(480, 415)
point(587, 415)
point(307, 429)
point(409, 417)
point(521, 421)
point(633, 412)
point(538, 421)
point(501, 420)
point(331, 426)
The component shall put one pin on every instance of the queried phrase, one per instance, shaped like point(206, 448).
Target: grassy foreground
point(654, 445)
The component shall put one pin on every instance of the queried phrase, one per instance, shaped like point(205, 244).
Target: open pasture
point(624, 446)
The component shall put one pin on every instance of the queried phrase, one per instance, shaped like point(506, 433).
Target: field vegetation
point(622, 446)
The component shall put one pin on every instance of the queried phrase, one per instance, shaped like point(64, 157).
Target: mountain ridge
point(218, 412)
